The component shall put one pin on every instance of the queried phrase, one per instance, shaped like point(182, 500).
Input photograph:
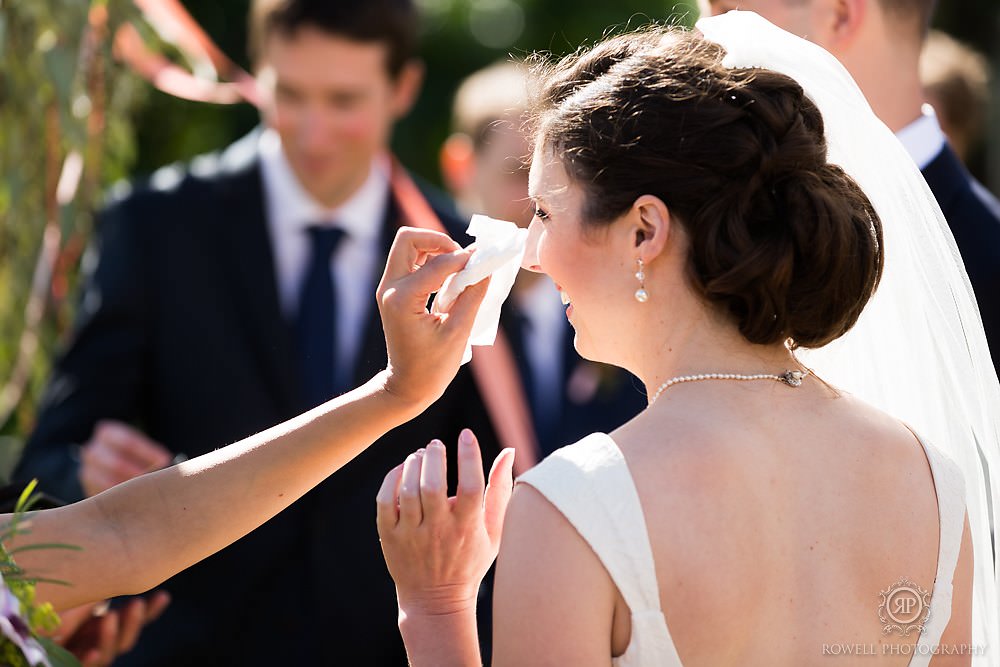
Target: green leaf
point(60, 63)
point(58, 656)
point(44, 545)
point(45, 580)
point(23, 500)
point(11, 531)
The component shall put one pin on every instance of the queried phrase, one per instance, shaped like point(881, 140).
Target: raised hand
point(438, 549)
point(116, 453)
point(425, 348)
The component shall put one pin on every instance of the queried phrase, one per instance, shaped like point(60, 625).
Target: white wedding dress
point(590, 484)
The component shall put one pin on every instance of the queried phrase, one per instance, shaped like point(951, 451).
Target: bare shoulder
point(867, 431)
point(552, 595)
point(534, 523)
point(539, 542)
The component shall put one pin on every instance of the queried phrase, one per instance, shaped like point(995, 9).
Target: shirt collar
point(923, 138)
point(295, 209)
point(540, 304)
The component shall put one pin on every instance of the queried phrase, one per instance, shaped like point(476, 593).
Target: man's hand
point(116, 453)
point(97, 635)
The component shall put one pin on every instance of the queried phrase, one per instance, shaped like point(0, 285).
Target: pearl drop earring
point(641, 295)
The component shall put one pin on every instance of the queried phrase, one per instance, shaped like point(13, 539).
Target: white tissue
point(499, 247)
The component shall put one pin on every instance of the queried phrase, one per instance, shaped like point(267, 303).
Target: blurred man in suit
point(880, 42)
point(229, 297)
point(485, 165)
point(956, 80)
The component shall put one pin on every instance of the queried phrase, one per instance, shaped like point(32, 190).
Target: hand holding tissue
point(499, 248)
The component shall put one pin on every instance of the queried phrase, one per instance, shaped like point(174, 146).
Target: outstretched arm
point(135, 535)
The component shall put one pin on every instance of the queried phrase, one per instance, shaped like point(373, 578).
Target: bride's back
point(776, 515)
point(776, 518)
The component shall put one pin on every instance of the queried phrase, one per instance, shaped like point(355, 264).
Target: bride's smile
point(577, 255)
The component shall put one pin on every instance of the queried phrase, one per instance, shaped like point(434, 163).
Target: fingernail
point(465, 437)
point(436, 443)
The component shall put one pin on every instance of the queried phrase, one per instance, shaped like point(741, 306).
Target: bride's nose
point(530, 261)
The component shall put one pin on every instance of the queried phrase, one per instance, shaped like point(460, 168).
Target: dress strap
point(590, 484)
point(949, 485)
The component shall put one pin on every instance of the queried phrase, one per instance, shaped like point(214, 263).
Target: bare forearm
point(441, 639)
point(137, 534)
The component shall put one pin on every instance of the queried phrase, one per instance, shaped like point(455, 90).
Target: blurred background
point(74, 121)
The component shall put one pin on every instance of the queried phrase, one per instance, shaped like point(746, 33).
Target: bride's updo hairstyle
point(783, 241)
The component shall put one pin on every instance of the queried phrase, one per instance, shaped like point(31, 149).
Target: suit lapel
point(249, 264)
point(946, 178)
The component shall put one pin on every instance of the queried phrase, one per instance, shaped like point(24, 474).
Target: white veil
point(918, 351)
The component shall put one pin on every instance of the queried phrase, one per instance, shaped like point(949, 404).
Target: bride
point(705, 218)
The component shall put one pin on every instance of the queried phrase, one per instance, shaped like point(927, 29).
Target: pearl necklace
point(791, 378)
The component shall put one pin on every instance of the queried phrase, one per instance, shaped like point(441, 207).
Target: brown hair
point(780, 239)
point(956, 79)
point(490, 98)
point(394, 23)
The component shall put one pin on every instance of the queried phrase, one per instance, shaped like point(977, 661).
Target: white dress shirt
point(923, 138)
point(291, 210)
point(543, 345)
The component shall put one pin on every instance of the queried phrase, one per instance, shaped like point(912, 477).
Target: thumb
point(428, 278)
point(462, 314)
point(498, 492)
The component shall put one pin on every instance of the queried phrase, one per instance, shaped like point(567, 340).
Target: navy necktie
point(546, 407)
point(315, 326)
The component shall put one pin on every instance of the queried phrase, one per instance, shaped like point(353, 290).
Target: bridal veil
point(918, 350)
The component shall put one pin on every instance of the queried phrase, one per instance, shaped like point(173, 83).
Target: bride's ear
point(651, 227)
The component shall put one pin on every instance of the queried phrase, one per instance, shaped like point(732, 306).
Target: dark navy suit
point(974, 217)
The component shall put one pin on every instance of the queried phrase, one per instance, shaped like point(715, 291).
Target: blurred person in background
point(231, 296)
point(485, 163)
point(956, 82)
point(485, 166)
point(880, 42)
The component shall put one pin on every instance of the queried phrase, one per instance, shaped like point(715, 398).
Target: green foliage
point(58, 656)
point(60, 92)
point(38, 617)
point(11, 655)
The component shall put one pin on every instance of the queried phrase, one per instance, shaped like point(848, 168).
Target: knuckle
point(389, 297)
